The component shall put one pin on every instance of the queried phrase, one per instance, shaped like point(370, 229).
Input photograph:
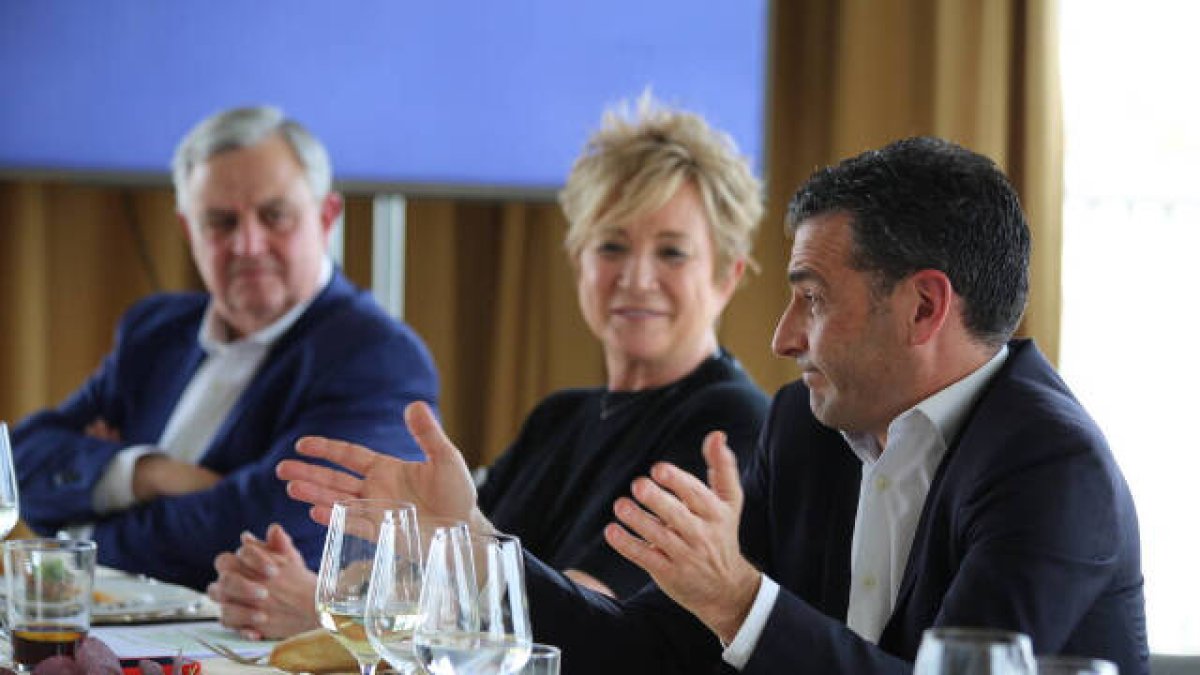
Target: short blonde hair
point(638, 160)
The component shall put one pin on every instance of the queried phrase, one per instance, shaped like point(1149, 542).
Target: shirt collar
point(945, 410)
point(213, 332)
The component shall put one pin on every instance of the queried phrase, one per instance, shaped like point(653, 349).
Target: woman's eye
point(609, 248)
point(672, 253)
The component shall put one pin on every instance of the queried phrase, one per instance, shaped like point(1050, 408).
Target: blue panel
point(445, 92)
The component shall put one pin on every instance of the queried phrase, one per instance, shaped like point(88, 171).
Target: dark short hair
point(926, 203)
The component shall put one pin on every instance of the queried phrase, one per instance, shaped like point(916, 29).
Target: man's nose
point(791, 334)
point(250, 238)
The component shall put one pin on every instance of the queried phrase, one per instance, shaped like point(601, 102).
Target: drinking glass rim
point(1078, 661)
point(544, 650)
point(977, 634)
point(50, 544)
point(374, 504)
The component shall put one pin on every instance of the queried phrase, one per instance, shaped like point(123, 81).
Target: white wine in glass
point(393, 610)
point(345, 575)
point(9, 501)
point(474, 615)
point(974, 651)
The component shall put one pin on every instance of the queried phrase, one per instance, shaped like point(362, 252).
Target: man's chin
point(250, 317)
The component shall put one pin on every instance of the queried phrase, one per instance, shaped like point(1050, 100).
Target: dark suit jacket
point(344, 369)
point(1028, 526)
point(555, 485)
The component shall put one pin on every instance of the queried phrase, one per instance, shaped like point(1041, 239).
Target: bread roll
point(314, 651)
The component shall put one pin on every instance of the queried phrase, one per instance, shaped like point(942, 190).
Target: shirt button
point(869, 582)
point(882, 483)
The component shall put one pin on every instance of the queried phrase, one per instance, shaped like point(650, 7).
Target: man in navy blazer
point(927, 471)
point(167, 453)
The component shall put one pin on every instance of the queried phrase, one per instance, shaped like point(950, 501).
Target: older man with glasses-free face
point(166, 454)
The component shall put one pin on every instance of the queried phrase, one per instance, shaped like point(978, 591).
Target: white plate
point(138, 599)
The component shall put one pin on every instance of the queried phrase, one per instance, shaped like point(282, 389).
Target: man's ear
point(331, 208)
point(934, 296)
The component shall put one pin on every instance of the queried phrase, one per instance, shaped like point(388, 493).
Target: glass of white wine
point(393, 599)
point(974, 651)
point(474, 615)
point(9, 500)
point(345, 575)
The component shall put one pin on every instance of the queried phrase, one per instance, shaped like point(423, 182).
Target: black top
point(581, 448)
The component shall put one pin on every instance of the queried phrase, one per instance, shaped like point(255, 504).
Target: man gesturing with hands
point(926, 470)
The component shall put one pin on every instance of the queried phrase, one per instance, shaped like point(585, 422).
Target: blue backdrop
point(498, 93)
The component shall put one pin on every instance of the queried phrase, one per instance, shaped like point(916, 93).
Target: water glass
point(1074, 665)
point(49, 601)
point(393, 598)
point(973, 651)
point(474, 615)
point(543, 660)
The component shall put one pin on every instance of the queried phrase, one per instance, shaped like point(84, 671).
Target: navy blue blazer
point(344, 369)
point(1028, 526)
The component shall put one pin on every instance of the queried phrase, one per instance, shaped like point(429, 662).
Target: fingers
point(428, 432)
point(323, 480)
point(349, 455)
point(280, 542)
point(235, 582)
point(638, 551)
point(256, 558)
point(723, 476)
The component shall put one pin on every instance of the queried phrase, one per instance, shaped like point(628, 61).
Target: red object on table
point(190, 666)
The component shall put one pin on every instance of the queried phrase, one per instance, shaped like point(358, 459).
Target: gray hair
point(243, 127)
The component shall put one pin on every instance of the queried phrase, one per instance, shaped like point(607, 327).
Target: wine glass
point(543, 660)
point(395, 592)
point(973, 651)
point(474, 616)
point(345, 574)
point(9, 502)
point(1074, 665)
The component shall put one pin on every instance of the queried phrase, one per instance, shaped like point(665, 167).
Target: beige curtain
point(72, 258)
point(848, 75)
point(490, 289)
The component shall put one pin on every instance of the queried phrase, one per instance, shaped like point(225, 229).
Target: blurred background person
point(168, 451)
point(662, 213)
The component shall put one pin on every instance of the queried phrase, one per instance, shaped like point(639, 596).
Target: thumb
point(428, 432)
point(723, 475)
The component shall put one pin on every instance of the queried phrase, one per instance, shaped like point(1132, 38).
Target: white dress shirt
point(895, 482)
point(212, 392)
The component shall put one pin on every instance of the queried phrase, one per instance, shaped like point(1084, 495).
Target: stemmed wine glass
point(345, 575)
point(393, 610)
point(974, 651)
point(474, 616)
point(9, 502)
